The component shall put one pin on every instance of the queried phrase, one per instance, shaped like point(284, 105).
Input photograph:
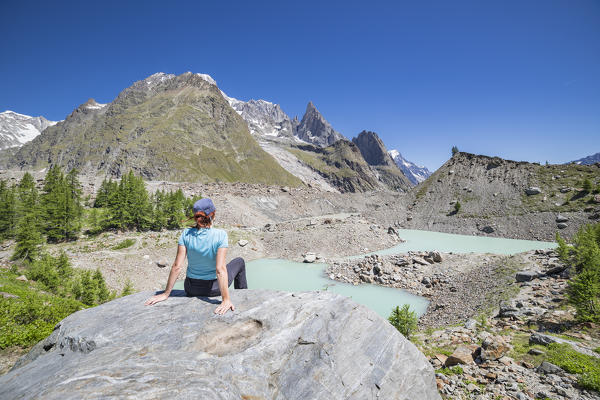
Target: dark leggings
point(236, 272)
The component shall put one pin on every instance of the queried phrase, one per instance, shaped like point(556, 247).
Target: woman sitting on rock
point(207, 274)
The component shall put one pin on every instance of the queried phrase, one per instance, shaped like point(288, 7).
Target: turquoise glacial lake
point(295, 276)
point(448, 242)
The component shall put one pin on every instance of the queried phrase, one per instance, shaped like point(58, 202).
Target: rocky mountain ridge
point(162, 127)
point(504, 198)
point(375, 154)
point(315, 129)
point(593, 159)
point(17, 129)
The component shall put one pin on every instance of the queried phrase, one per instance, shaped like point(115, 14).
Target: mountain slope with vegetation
point(480, 194)
point(164, 127)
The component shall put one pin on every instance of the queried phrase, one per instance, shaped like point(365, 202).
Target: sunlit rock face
point(276, 345)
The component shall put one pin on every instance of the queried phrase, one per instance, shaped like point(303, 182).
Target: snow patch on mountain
point(17, 129)
point(589, 160)
point(413, 172)
point(263, 117)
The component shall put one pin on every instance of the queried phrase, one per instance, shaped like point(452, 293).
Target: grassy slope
point(184, 133)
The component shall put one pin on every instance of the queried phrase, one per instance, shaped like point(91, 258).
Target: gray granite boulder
point(276, 345)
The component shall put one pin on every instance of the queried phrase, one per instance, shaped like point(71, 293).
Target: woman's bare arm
point(175, 270)
point(223, 280)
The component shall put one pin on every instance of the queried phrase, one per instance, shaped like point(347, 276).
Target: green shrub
point(128, 289)
point(563, 248)
point(30, 317)
point(456, 370)
point(586, 185)
point(404, 320)
point(457, 207)
point(124, 244)
point(586, 367)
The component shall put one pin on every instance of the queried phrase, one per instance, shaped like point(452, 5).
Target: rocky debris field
point(502, 355)
point(457, 285)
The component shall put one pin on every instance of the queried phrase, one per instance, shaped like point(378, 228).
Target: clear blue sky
point(517, 79)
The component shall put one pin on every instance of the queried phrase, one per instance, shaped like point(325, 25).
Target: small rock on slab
point(242, 242)
point(561, 225)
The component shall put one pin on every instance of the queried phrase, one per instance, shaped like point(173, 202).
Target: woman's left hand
point(225, 306)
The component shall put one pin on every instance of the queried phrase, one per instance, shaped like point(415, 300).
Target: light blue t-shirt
point(202, 245)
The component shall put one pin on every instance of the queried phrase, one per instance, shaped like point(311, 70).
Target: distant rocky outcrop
point(17, 129)
point(593, 159)
point(276, 345)
point(342, 165)
point(413, 172)
point(315, 129)
point(376, 155)
point(163, 127)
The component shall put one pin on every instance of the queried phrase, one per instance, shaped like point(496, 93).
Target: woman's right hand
point(156, 299)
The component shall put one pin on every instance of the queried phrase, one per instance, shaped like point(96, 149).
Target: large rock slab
point(276, 345)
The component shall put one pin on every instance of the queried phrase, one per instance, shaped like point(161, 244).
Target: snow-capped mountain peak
point(413, 172)
point(17, 129)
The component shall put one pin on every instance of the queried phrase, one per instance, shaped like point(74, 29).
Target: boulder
point(493, 348)
point(549, 368)
point(419, 260)
point(435, 256)
point(276, 345)
point(525, 276)
point(561, 225)
point(533, 190)
point(310, 257)
point(22, 278)
point(242, 242)
point(461, 355)
point(596, 199)
point(487, 229)
point(561, 218)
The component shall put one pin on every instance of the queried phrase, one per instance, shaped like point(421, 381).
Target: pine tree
point(454, 150)
point(563, 249)
point(88, 288)
point(28, 238)
point(584, 294)
point(128, 289)
point(27, 195)
point(52, 202)
point(159, 214)
point(94, 222)
point(63, 267)
point(102, 290)
point(7, 210)
point(106, 190)
point(404, 320)
point(73, 207)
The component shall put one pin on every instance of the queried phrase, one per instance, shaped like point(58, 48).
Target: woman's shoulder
point(219, 232)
